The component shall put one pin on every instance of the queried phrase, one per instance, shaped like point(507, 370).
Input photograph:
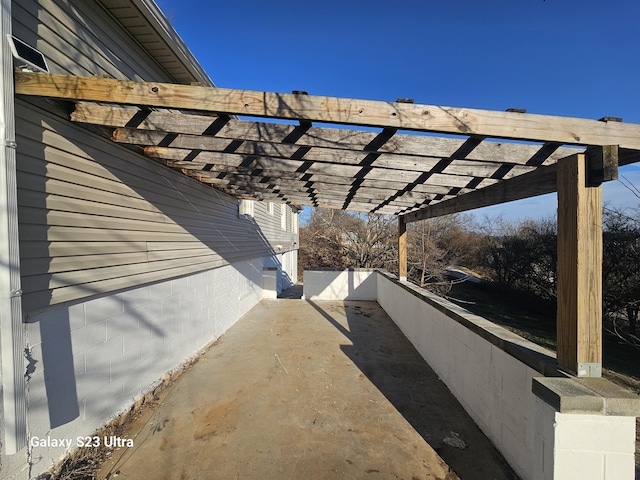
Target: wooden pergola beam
point(539, 182)
point(415, 163)
point(182, 158)
point(427, 118)
point(579, 316)
point(385, 142)
point(402, 248)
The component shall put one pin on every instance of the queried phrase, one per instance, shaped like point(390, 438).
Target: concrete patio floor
point(308, 390)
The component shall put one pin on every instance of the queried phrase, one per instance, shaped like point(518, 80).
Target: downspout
point(11, 328)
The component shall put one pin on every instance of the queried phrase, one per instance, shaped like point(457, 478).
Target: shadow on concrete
point(381, 351)
point(294, 292)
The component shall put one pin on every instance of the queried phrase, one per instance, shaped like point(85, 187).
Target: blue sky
point(578, 58)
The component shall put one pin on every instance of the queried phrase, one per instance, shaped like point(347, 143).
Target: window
point(294, 221)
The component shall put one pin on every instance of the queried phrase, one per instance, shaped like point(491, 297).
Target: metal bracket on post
point(589, 370)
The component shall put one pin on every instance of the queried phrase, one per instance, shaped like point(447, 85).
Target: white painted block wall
point(495, 389)
point(347, 284)
point(89, 360)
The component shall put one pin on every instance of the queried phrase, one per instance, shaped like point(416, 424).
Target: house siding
point(80, 38)
point(94, 216)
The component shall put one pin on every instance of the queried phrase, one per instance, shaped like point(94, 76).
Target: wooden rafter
point(385, 142)
point(183, 158)
point(427, 118)
point(387, 171)
point(416, 163)
point(539, 182)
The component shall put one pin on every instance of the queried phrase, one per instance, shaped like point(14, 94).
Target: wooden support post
point(402, 248)
point(579, 320)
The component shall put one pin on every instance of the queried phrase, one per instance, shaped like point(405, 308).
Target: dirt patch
point(86, 463)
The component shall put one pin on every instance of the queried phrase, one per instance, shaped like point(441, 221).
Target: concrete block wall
point(347, 284)
point(593, 446)
point(88, 361)
point(493, 387)
point(491, 372)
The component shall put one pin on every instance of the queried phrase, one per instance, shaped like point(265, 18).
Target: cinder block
point(103, 353)
point(179, 285)
point(517, 451)
point(89, 336)
point(201, 291)
point(102, 308)
point(595, 433)
point(123, 324)
point(159, 290)
point(619, 466)
point(136, 298)
point(124, 366)
point(32, 335)
point(574, 464)
point(171, 307)
point(76, 316)
point(79, 364)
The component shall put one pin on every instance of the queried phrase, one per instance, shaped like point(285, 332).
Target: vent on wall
point(31, 58)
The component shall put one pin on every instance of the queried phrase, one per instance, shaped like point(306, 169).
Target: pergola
point(392, 168)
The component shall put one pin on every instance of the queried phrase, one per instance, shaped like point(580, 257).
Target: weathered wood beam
point(627, 157)
point(202, 158)
point(285, 186)
point(295, 193)
point(538, 182)
point(428, 118)
point(602, 164)
point(182, 158)
point(402, 248)
point(334, 138)
point(416, 163)
point(579, 317)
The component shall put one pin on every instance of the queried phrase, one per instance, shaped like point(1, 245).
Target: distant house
point(121, 268)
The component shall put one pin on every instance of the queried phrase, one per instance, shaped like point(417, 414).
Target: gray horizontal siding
point(271, 224)
point(96, 217)
point(78, 37)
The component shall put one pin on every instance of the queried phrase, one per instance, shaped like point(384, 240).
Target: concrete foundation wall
point(347, 284)
point(89, 360)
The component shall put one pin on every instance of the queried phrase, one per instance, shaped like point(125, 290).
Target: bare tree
point(437, 244)
point(621, 265)
point(339, 239)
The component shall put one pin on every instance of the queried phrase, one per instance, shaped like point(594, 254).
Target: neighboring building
point(127, 267)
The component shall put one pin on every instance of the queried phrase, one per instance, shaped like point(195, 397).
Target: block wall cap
point(586, 395)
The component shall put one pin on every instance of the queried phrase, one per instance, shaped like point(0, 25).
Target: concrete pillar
point(585, 429)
